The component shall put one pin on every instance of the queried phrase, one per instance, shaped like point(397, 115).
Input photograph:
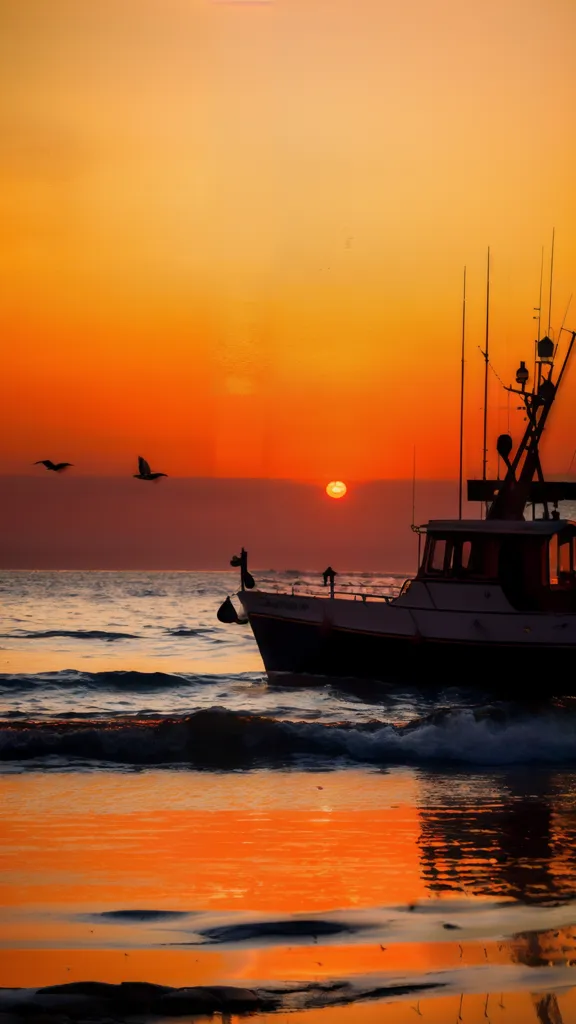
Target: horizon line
point(313, 482)
point(288, 569)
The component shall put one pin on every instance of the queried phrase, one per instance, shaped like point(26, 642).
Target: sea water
point(360, 851)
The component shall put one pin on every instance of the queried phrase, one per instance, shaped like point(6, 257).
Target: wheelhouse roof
point(536, 527)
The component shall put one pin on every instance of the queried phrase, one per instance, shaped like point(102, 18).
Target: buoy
point(227, 612)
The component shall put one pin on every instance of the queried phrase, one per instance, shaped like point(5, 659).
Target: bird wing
point(143, 466)
point(46, 462)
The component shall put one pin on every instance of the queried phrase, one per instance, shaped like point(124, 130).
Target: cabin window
point(459, 557)
point(477, 558)
point(553, 560)
point(436, 563)
point(561, 562)
point(466, 554)
point(565, 558)
point(561, 549)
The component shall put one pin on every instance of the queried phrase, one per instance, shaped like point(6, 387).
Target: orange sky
point(233, 234)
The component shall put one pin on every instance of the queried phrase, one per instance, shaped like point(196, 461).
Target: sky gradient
point(234, 233)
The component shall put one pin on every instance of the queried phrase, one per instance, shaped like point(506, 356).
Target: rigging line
point(492, 368)
point(562, 324)
point(497, 375)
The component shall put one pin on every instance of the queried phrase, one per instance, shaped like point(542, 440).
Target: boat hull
point(290, 644)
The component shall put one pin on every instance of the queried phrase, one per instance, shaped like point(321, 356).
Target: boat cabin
point(533, 561)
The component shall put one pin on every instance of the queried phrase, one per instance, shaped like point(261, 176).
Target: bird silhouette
point(144, 471)
point(56, 467)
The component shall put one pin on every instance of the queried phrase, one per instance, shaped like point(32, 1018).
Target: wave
point(108, 636)
point(220, 738)
point(146, 592)
point(73, 634)
point(183, 631)
point(12, 684)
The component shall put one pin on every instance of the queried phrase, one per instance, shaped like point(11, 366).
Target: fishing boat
point(492, 597)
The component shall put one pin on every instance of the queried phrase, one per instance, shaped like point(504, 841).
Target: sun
point(336, 489)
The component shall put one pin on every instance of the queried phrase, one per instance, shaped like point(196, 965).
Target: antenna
point(562, 324)
point(462, 397)
point(538, 309)
point(486, 363)
point(414, 486)
point(415, 528)
point(551, 282)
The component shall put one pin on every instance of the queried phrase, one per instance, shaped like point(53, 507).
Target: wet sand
point(363, 879)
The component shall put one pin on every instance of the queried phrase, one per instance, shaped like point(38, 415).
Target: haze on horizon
point(234, 234)
point(111, 523)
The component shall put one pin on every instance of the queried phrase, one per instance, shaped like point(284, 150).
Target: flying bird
point(144, 471)
point(56, 467)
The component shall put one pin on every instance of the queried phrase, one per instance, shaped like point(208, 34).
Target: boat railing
point(386, 592)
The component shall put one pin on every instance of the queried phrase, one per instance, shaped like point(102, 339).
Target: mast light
point(522, 375)
point(546, 350)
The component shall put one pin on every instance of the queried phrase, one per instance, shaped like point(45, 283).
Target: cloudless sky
point(234, 233)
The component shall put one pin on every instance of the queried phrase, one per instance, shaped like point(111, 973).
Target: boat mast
point(513, 496)
point(486, 365)
point(551, 282)
point(538, 309)
point(462, 397)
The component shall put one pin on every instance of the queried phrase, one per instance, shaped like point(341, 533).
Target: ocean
point(323, 852)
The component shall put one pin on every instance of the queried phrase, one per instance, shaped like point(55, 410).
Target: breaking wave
point(219, 739)
point(121, 680)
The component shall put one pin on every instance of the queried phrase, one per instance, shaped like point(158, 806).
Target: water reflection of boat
point(547, 1008)
point(510, 844)
point(484, 588)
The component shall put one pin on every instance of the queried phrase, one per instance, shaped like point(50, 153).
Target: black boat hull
point(301, 648)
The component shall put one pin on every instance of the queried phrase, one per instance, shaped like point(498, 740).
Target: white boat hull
point(453, 634)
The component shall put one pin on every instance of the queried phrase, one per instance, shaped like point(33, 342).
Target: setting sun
point(336, 489)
